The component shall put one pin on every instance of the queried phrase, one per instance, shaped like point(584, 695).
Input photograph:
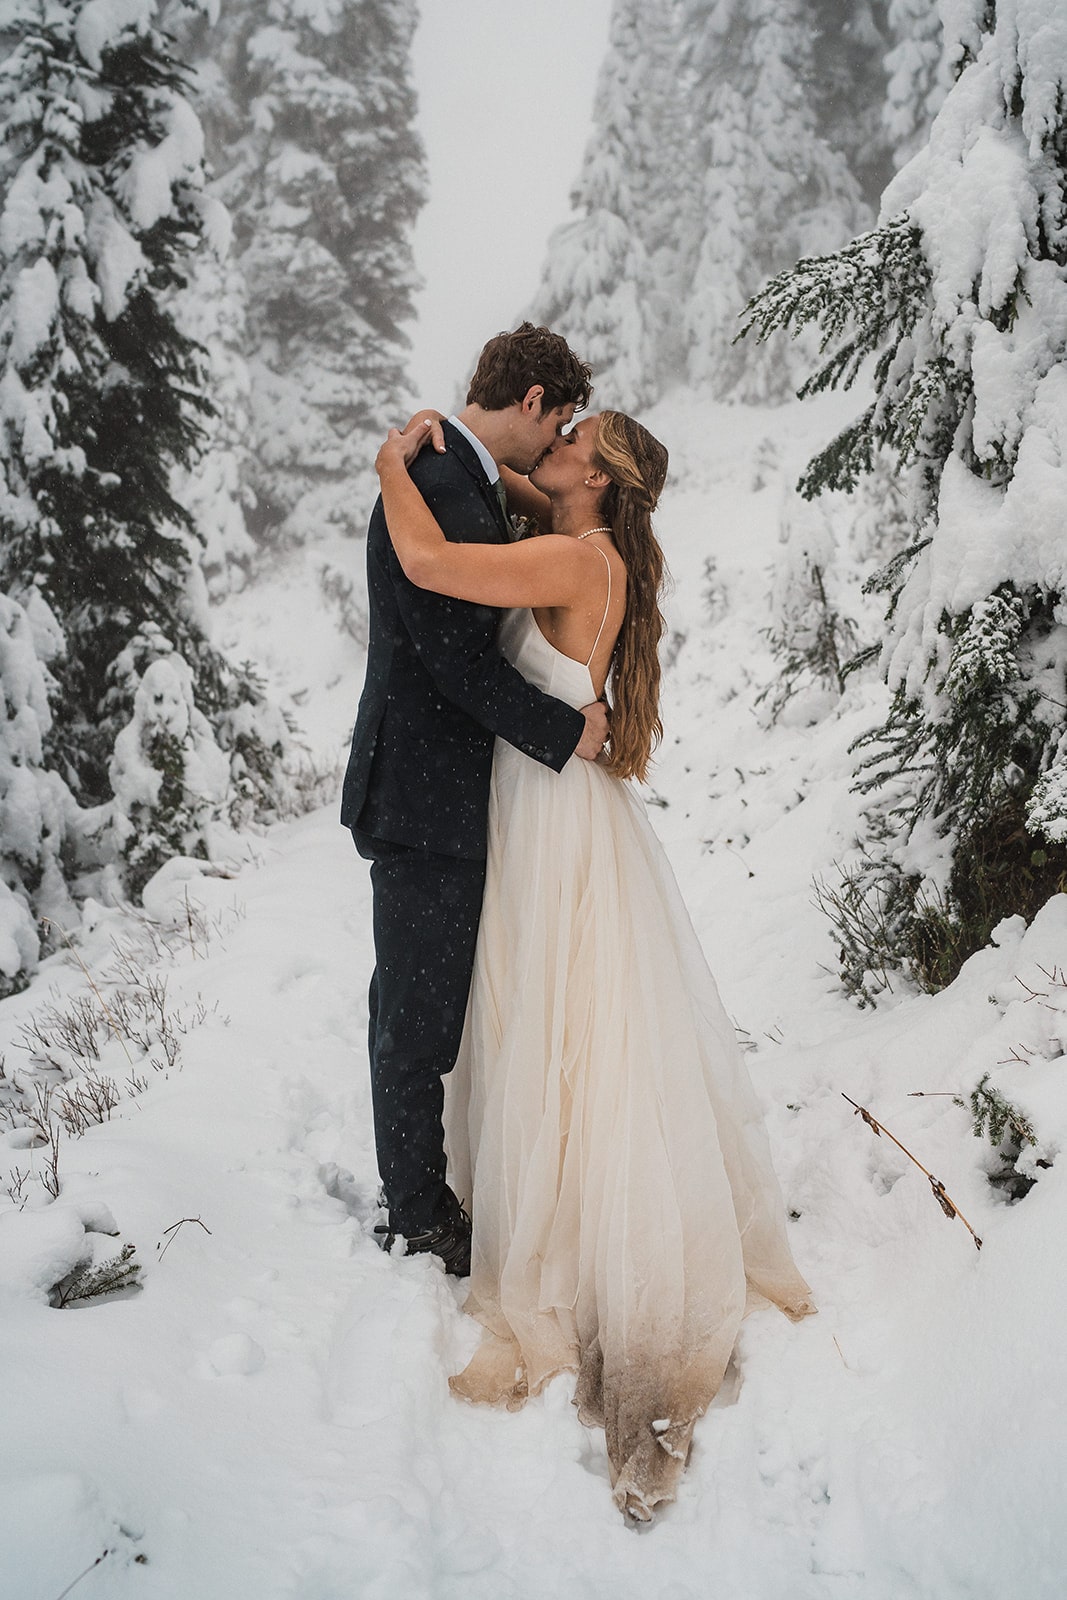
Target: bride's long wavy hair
point(636, 464)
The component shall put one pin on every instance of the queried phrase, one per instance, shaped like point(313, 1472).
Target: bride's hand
point(400, 449)
point(427, 424)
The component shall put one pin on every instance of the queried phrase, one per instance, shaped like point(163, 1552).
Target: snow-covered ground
point(268, 1417)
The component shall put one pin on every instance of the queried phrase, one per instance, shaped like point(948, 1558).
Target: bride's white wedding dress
point(600, 1119)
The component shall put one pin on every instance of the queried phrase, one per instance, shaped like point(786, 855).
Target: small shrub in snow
point(91, 1050)
point(339, 591)
point(311, 786)
point(1019, 1102)
point(864, 912)
point(94, 1281)
point(994, 1116)
point(259, 741)
point(811, 640)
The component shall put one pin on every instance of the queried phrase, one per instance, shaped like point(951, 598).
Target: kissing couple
point(608, 1183)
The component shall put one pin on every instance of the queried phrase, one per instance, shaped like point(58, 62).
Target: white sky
point(505, 105)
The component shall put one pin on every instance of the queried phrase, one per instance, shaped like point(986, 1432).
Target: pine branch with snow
point(95, 1280)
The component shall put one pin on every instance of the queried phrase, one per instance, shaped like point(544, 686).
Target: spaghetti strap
point(607, 608)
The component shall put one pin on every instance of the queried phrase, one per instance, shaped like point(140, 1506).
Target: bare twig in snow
point(174, 1230)
point(90, 1568)
point(948, 1206)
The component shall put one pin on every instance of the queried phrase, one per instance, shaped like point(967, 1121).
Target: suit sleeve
point(456, 643)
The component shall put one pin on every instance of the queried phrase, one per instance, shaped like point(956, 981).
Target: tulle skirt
point(603, 1127)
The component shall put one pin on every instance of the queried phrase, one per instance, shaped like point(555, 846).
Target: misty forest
point(820, 249)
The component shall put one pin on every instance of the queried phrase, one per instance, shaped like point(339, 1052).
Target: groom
point(416, 791)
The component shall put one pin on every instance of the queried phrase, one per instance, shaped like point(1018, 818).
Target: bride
point(600, 1117)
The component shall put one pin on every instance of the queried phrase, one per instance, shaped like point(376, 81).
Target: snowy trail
point(271, 1416)
point(270, 1420)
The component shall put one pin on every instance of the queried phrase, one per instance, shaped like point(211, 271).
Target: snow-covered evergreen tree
point(608, 274)
point(212, 310)
point(845, 77)
point(246, 725)
point(918, 74)
point(216, 491)
point(309, 115)
point(101, 392)
point(38, 814)
point(724, 141)
point(962, 292)
point(773, 186)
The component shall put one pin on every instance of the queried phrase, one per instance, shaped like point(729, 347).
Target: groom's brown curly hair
point(512, 364)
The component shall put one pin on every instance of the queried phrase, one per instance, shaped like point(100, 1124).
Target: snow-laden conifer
point(917, 69)
point(773, 186)
point(846, 79)
point(216, 491)
point(309, 114)
point(212, 310)
point(961, 293)
point(724, 134)
point(38, 814)
point(609, 273)
point(101, 392)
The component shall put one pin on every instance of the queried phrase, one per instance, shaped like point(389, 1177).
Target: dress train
point(601, 1121)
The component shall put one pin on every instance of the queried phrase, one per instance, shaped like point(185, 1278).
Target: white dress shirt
point(492, 471)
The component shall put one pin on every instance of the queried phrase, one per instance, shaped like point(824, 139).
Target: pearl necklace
point(590, 532)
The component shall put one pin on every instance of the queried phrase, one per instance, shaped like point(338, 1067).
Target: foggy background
point(505, 110)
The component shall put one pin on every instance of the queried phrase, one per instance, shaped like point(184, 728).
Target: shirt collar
point(492, 471)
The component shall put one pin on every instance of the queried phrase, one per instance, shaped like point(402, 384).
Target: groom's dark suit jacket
point(437, 689)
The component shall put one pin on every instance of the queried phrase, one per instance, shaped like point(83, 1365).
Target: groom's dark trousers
point(416, 797)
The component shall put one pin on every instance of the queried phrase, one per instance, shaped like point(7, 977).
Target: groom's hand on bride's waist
point(596, 732)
